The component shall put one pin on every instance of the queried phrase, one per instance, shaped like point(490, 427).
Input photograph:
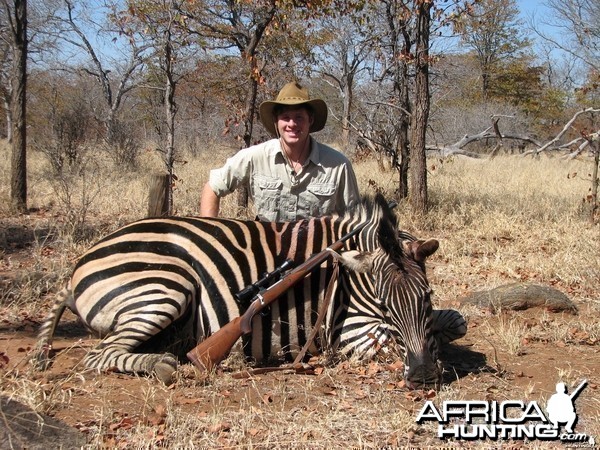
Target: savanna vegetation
point(495, 225)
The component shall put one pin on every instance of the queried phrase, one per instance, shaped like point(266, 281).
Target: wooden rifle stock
point(215, 348)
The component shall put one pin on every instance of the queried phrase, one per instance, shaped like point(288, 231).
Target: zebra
point(161, 284)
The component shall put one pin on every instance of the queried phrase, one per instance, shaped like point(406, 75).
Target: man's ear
point(361, 262)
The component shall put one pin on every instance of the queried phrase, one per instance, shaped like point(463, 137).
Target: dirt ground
point(346, 405)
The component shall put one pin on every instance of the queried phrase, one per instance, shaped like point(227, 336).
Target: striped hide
point(164, 284)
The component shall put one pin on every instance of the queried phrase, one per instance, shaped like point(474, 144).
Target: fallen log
point(521, 296)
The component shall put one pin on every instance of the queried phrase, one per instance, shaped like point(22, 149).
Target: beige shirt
point(327, 183)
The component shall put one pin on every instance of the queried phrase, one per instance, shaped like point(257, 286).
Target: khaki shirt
point(327, 183)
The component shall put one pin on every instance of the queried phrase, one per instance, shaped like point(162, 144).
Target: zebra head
point(394, 264)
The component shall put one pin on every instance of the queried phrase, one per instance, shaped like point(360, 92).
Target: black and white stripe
point(172, 281)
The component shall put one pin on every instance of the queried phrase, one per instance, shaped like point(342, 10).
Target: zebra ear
point(361, 262)
point(421, 249)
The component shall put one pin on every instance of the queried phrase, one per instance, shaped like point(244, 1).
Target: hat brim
point(318, 106)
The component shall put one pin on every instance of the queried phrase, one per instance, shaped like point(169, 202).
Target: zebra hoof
point(41, 360)
point(165, 370)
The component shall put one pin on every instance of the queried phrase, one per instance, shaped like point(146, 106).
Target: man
point(291, 176)
point(561, 408)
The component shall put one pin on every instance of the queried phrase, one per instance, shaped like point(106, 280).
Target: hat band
point(292, 98)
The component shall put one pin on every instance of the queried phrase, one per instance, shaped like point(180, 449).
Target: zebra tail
point(42, 357)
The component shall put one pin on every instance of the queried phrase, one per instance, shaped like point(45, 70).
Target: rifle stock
point(215, 348)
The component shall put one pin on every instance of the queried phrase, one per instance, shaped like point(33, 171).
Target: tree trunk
point(594, 199)
point(403, 141)
point(9, 126)
point(18, 105)
point(485, 83)
point(157, 197)
point(248, 51)
point(418, 162)
point(346, 109)
point(242, 192)
point(170, 110)
point(399, 36)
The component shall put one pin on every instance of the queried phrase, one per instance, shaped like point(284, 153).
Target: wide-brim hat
point(293, 94)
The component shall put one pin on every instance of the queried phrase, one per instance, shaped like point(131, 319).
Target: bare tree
point(493, 30)
point(114, 74)
point(342, 57)
point(37, 21)
point(418, 160)
point(576, 26)
point(382, 118)
point(241, 26)
point(166, 29)
point(400, 26)
point(5, 70)
point(15, 34)
point(226, 25)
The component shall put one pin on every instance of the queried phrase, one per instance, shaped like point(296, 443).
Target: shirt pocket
point(267, 197)
point(322, 198)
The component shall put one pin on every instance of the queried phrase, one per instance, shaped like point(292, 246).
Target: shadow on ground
point(460, 361)
point(21, 427)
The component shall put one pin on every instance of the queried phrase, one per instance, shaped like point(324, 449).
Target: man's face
point(294, 124)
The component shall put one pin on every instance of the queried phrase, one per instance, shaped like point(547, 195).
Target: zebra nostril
point(423, 376)
point(433, 383)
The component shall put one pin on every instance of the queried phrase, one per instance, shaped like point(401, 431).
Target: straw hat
point(293, 94)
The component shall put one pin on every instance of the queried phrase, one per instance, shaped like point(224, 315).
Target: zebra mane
point(377, 208)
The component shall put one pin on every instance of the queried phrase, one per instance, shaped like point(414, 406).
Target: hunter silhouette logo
point(510, 419)
point(561, 406)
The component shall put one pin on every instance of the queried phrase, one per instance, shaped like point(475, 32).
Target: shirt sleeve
point(236, 172)
point(350, 192)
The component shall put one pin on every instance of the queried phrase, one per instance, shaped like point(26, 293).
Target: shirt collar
point(315, 151)
point(274, 149)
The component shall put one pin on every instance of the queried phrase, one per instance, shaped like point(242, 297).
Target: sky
point(529, 6)
point(537, 11)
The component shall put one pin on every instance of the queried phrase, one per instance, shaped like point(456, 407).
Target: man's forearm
point(209, 202)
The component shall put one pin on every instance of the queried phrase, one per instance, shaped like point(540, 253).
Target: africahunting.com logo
point(511, 419)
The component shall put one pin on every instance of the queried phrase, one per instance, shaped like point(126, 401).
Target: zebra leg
point(116, 351)
point(41, 358)
point(113, 353)
point(448, 325)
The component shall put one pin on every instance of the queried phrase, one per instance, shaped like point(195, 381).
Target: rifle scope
point(250, 291)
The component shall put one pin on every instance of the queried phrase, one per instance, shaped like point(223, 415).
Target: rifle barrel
point(578, 389)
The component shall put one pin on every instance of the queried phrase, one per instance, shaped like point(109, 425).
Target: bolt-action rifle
point(212, 350)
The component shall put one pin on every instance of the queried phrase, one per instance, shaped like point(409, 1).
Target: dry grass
point(498, 221)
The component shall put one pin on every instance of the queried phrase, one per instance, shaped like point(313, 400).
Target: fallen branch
point(550, 144)
point(492, 132)
point(444, 152)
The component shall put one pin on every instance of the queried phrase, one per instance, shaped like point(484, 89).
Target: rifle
point(212, 350)
point(578, 390)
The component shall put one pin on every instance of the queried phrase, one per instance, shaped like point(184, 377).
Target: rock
point(520, 296)
point(21, 427)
